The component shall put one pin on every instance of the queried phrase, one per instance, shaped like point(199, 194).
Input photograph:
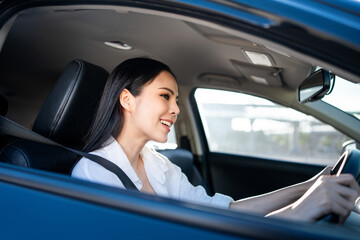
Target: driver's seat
point(64, 117)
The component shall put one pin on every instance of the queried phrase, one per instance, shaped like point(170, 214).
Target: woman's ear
point(126, 100)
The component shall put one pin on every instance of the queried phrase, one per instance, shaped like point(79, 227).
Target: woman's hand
point(328, 195)
point(325, 171)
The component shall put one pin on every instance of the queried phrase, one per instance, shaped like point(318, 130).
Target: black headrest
point(67, 112)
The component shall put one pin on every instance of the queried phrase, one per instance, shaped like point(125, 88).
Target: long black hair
point(131, 74)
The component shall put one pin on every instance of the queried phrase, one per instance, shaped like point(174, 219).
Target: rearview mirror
point(314, 87)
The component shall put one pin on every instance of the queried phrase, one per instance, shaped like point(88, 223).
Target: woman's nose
point(175, 109)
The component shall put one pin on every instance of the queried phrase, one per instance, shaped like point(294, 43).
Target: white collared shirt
point(165, 177)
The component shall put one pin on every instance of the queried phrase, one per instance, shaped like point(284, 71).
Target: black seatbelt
point(13, 129)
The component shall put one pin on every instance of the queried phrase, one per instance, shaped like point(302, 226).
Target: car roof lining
point(40, 37)
point(47, 38)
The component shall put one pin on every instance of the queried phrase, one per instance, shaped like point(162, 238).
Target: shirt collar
point(155, 164)
point(117, 155)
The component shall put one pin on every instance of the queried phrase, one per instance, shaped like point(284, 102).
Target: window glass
point(242, 124)
point(345, 96)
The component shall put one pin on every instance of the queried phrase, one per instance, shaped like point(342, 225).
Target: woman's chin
point(160, 140)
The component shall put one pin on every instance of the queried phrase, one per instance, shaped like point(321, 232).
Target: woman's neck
point(132, 146)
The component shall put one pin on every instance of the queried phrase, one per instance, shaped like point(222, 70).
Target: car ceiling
point(42, 41)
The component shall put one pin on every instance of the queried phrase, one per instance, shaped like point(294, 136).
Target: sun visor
point(218, 80)
point(265, 75)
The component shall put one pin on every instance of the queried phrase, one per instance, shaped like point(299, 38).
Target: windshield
point(345, 96)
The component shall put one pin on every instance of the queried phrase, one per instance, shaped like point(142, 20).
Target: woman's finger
point(344, 179)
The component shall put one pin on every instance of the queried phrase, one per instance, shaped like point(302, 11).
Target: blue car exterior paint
point(45, 205)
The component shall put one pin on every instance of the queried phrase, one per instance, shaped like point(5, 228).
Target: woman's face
point(156, 108)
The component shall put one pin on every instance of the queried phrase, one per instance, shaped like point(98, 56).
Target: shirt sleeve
point(198, 195)
point(190, 193)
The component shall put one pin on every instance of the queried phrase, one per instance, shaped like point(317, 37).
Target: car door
point(253, 146)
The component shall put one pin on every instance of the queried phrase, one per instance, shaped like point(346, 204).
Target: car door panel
point(243, 176)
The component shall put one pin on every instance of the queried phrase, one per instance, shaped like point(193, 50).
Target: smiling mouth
point(166, 123)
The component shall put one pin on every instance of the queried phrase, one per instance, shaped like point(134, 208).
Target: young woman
point(139, 104)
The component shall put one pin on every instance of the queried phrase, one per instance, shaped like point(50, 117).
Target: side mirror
point(315, 86)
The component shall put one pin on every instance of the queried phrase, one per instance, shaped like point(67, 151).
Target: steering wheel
point(349, 162)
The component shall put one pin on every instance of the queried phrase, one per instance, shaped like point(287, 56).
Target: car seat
point(3, 106)
point(3, 110)
point(64, 117)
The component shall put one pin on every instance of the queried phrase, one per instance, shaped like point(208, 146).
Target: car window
point(238, 123)
point(344, 96)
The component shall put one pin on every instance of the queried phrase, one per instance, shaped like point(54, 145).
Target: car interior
point(65, 116)
point(54, 61)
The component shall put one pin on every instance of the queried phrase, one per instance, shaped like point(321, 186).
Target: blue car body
point(41, 205)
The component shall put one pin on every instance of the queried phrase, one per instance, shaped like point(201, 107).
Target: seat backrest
point(64, 117)
point(3, 111)
point(3, 106)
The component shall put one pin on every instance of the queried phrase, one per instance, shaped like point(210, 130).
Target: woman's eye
point(166, 96)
